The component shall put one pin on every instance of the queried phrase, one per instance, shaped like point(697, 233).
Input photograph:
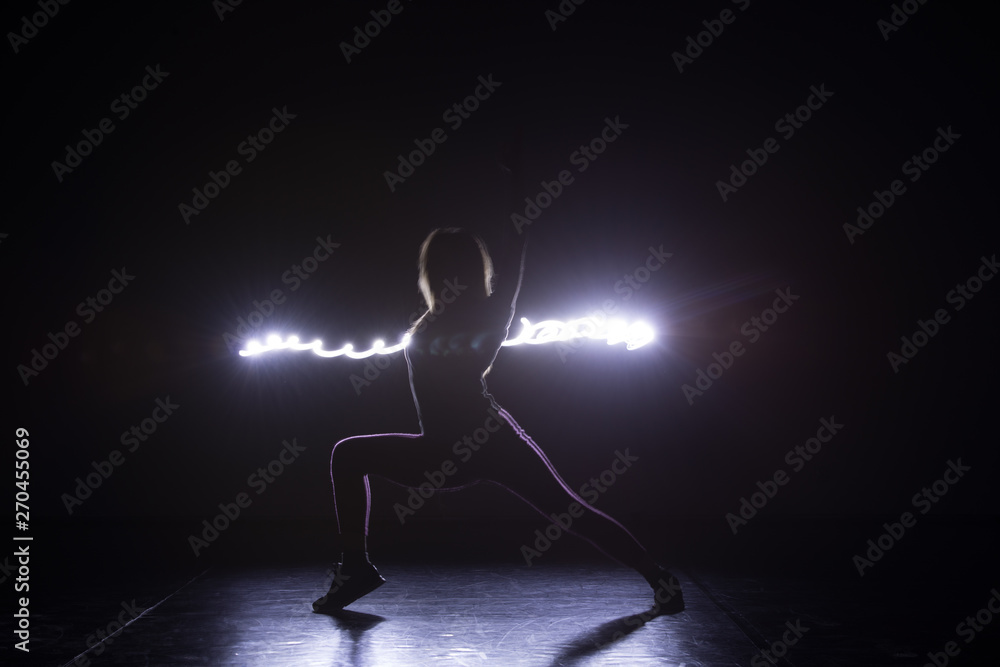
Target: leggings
point(492, 450)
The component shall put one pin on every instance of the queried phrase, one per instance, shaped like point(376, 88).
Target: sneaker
point(347, 588)
point(667, 596)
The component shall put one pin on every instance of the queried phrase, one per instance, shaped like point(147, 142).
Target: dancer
point(450, 351)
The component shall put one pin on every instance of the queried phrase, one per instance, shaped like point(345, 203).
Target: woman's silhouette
point(464, 432)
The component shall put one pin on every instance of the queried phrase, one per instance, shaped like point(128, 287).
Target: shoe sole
point(347, 597)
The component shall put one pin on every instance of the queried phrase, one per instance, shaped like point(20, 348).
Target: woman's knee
point(346, 455)
point(363, 454)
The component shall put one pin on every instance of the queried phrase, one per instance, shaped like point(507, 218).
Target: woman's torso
point(447, 357)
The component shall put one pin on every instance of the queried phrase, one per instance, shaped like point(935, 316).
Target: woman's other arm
point(508, 258)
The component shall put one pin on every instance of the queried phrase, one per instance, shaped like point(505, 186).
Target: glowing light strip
point(274, 342)
point(634, 336)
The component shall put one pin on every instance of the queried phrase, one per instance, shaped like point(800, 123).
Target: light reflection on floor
point(447, 615)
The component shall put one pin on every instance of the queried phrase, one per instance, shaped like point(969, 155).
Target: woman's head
point(459, 257)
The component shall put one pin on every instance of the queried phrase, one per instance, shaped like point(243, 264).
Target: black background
point(655, 186)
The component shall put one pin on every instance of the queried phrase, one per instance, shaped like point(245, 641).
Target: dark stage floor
point(569, 608)
point(426, 615)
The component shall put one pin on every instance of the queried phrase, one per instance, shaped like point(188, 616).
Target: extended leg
point(523, 469)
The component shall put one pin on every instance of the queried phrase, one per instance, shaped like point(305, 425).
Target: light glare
point(634, 336)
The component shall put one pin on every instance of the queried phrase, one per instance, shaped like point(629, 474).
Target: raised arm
point(512, 243)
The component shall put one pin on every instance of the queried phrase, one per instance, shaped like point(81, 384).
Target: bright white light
point(634, 336)
point(639, 334)
point(274, 342)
